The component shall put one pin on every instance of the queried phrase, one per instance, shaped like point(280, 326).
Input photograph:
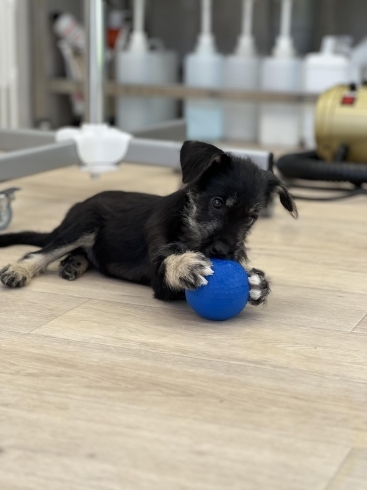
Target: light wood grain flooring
point(104, 388)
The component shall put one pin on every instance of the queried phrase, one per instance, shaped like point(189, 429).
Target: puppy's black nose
point(220, 249)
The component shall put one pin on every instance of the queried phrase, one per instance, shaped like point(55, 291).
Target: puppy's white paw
point(260, 287)
point(187, 270)
point(15, 275)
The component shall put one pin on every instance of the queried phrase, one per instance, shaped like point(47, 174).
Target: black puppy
point(166, 242)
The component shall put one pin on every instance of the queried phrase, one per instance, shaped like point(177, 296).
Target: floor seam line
point(360, 321)
point(340, 466)
point(58, 316)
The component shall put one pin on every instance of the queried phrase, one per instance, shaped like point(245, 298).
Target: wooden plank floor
point(105, 388)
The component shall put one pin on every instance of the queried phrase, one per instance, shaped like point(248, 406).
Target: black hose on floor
point(308, 166)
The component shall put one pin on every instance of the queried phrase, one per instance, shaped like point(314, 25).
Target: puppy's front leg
point(260, 287)
point(177, 269)
point(187, 270)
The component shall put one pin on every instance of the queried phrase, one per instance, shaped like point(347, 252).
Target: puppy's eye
point(217, 202)
point(251, 220)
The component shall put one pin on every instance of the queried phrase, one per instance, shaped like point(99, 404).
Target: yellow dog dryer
point(341, 121)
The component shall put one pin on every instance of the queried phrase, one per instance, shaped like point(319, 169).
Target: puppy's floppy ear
point(196, 158)
point(276, 185)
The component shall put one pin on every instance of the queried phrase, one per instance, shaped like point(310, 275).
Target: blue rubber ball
point(226, 293)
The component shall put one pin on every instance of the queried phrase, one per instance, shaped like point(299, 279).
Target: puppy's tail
point(26, 238)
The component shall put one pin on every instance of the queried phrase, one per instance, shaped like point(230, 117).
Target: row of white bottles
point(207, 119)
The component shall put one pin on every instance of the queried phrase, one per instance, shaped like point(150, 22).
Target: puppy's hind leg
point(74, 265)
point(31, 265)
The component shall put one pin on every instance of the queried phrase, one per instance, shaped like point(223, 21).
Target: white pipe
point(286, 18)
point(206, 16)
point(139, 10)
point(247, 14)
point(9, 73)
point(284, 44)
point(138, 42)
point(95, 61)
point(246, 43)
point(13, 66)
point(206, 44)
point(3, 67)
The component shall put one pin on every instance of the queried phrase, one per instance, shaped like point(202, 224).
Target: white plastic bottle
point(138, 64)
point(320, 72)
point(280, 122)
point(204, 68)
point(242, 71)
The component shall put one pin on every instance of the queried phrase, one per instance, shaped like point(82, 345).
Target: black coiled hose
point(308, 166)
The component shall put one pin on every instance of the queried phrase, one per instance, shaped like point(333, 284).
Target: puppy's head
point(225, 194)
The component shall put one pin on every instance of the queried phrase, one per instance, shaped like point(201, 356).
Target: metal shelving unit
point(180, 91)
